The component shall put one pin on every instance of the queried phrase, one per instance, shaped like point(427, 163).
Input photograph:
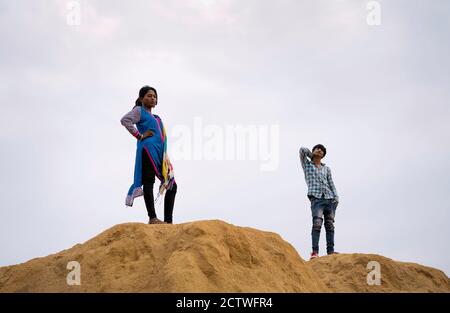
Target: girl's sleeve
point(130, 119)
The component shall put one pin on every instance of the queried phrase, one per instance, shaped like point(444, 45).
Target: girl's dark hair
point(321, 147)
point(142, 92)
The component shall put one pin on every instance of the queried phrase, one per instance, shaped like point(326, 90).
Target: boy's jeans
point(320, 208)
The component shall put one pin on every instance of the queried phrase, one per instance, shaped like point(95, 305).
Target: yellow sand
point(348, 273)
point(208, 256)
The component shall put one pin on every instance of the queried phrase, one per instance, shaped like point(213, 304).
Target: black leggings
point(148, 180)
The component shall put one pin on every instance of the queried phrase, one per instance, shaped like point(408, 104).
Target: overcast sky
point(311, 71)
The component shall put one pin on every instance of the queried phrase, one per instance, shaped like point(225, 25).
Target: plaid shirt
point(319, 180)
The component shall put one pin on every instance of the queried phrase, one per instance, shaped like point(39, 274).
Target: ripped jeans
point(321, 208)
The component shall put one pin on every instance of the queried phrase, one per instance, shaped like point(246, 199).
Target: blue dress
point(153, 146)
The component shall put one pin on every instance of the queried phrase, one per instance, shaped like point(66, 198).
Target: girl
point(151, 156)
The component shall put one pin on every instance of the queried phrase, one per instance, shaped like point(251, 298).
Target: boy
point(322, 194)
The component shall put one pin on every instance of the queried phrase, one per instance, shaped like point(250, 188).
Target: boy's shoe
point(314, 255)
point(330, 253)
point(156, 221)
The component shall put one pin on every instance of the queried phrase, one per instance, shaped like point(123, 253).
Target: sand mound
point(348, 273)
point(207, 256)
point(196, 257)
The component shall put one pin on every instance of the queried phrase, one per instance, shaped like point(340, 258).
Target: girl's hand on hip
point(148, 133)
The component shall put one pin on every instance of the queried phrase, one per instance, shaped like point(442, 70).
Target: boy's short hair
point(321, 147)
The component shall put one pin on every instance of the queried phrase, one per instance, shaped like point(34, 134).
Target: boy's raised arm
point(304, 153)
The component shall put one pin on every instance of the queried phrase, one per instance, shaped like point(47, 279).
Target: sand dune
point(208, 256)
point(348, 273)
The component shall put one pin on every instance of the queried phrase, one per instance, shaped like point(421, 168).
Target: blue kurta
point(153, 146)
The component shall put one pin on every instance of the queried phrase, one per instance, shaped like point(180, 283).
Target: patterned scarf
point(168, 174)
